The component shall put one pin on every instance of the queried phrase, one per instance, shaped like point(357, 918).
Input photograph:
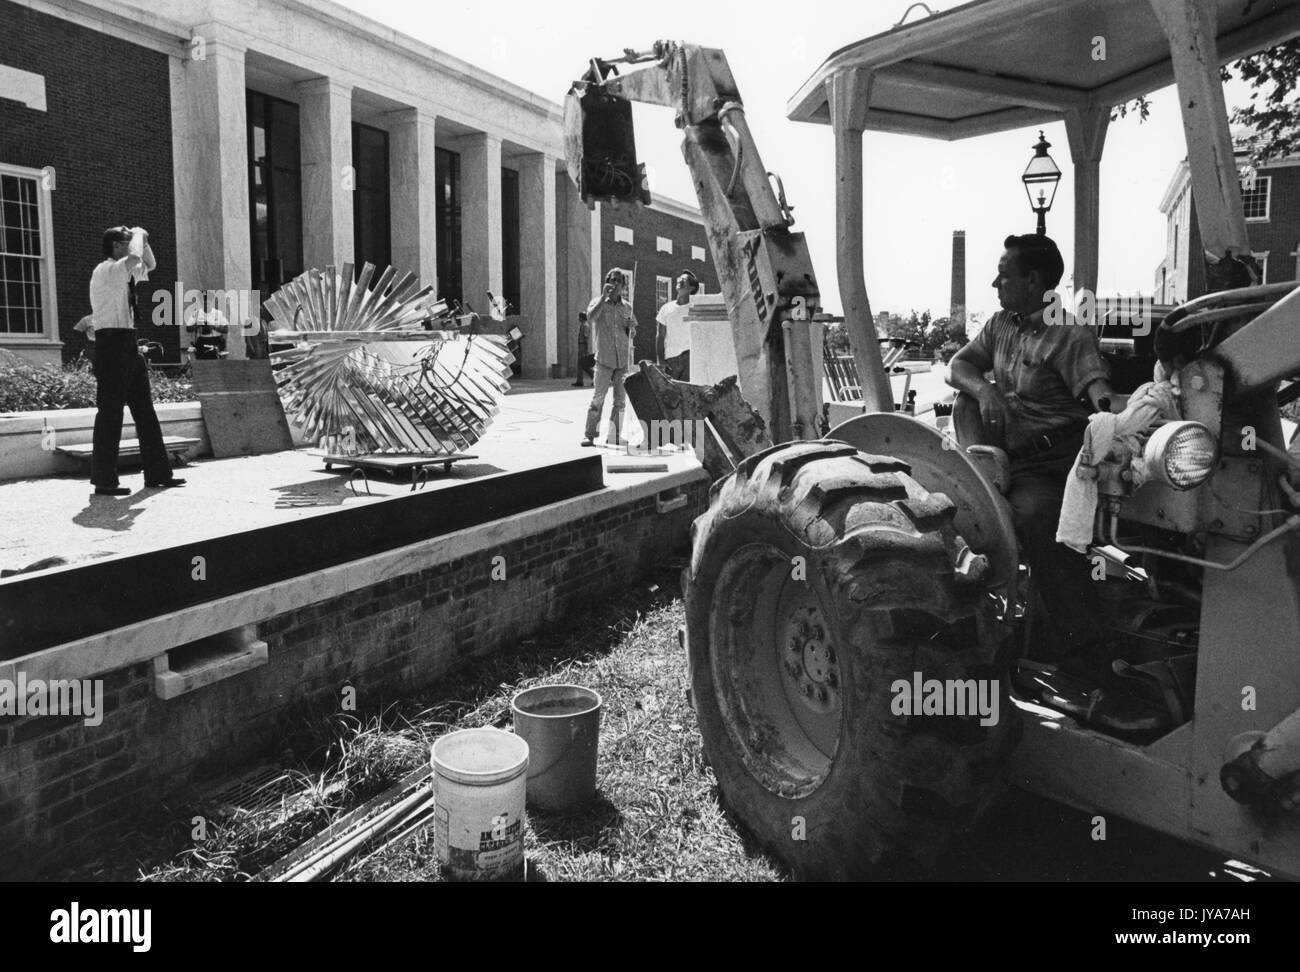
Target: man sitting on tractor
point(1034, 408)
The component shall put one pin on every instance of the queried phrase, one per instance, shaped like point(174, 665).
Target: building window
point(663, 290)
point(371, 237)
point(663, 244)
point(274, 191)
point(1254, 197)
point(622, 234)
point(1261, 258)
point(27, 309)
point(509, 240)
point(447, 232)
point(697, 253)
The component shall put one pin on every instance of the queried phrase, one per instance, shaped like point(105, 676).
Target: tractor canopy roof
point(995, 65)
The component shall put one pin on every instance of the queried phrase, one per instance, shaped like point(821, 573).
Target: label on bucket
point(498, 848)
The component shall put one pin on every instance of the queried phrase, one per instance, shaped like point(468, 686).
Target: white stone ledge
point(23, 457)
point(146, 640)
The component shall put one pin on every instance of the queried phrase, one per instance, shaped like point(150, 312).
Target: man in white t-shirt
point(673, 339)
point(121, 372)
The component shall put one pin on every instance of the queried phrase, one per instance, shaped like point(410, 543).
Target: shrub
point(32, 388)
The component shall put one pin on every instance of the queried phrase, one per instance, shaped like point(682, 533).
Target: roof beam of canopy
point(988, 66)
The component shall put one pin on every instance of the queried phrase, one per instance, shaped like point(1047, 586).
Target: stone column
point(325, 118)
point(537, 266)
point(412, 194)
point(210, 167)
point(573, 270)
point(480, 234)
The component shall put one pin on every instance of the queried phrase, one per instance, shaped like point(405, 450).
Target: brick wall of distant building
point(1181, 275)
point(647, 226)
point(66, 789)
point(1281, 232)
point(107, 133)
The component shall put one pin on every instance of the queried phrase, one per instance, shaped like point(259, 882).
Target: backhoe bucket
point(601, 148)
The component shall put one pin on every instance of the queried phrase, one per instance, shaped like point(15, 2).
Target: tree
point(1274, 110)
point(910, 328)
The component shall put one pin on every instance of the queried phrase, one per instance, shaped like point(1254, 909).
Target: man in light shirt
point(613, 329)
point(121, 372)
point(673, 341)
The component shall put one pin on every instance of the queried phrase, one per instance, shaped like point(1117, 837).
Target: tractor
point(840, 569)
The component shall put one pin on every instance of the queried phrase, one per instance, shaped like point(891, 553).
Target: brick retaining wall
point(65, 787)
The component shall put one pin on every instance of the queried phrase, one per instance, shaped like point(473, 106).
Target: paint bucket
point(561, 724)
point(479, 779)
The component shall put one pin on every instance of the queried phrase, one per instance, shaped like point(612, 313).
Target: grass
point(656, 815)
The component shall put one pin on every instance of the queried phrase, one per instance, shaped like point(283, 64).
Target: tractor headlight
point(1181, 454)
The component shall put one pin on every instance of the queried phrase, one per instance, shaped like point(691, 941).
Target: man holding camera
point(613, 329)
point(121, 372)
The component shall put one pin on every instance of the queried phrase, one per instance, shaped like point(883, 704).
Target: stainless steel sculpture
point(392, 362)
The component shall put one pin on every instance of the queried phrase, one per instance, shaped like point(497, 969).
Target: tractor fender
point(940, 465)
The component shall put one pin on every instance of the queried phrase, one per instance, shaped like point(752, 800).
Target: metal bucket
point(561, 724)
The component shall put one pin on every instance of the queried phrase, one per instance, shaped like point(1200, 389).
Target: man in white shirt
point(673, 340)
point(121, 372)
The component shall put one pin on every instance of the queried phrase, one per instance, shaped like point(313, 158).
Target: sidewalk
point(540, 423)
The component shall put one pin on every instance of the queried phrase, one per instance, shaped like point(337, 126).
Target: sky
point(917, 191)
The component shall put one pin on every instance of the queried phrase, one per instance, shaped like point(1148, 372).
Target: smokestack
point(957, 310)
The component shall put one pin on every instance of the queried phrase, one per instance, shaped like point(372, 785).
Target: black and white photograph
point(513, 443)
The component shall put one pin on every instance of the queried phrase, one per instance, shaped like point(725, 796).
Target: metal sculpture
point(396, 365)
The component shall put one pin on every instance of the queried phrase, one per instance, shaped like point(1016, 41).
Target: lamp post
point(1040, 178)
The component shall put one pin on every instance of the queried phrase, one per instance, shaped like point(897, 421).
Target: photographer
point(121, 372)
point(613, 329)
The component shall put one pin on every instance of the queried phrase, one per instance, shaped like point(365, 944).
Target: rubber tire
point(879, 551)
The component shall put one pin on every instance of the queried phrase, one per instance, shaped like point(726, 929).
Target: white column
point(576, 261)
point(1086, 129)
point(537, 262)
point(412, 194)
point(480, 222)
point(325, 120)
point(210, 167)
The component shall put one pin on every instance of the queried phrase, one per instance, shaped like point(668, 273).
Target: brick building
point(659, 242)
point(71, 164)
point(256, 140)
point(1271, 200)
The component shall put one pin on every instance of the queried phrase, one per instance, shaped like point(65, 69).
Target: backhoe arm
point(764, 269)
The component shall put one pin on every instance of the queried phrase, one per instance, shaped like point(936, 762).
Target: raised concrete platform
point(540, 423)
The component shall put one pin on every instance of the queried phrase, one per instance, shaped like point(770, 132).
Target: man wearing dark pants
point(121, 373)
point(1034, 410)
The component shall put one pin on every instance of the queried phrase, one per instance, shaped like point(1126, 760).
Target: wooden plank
point(241, 408)
point(128, 447)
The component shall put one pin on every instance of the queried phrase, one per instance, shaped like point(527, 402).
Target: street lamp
point(1040, 179)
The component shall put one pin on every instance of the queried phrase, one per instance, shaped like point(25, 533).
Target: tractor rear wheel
point(820, 577)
